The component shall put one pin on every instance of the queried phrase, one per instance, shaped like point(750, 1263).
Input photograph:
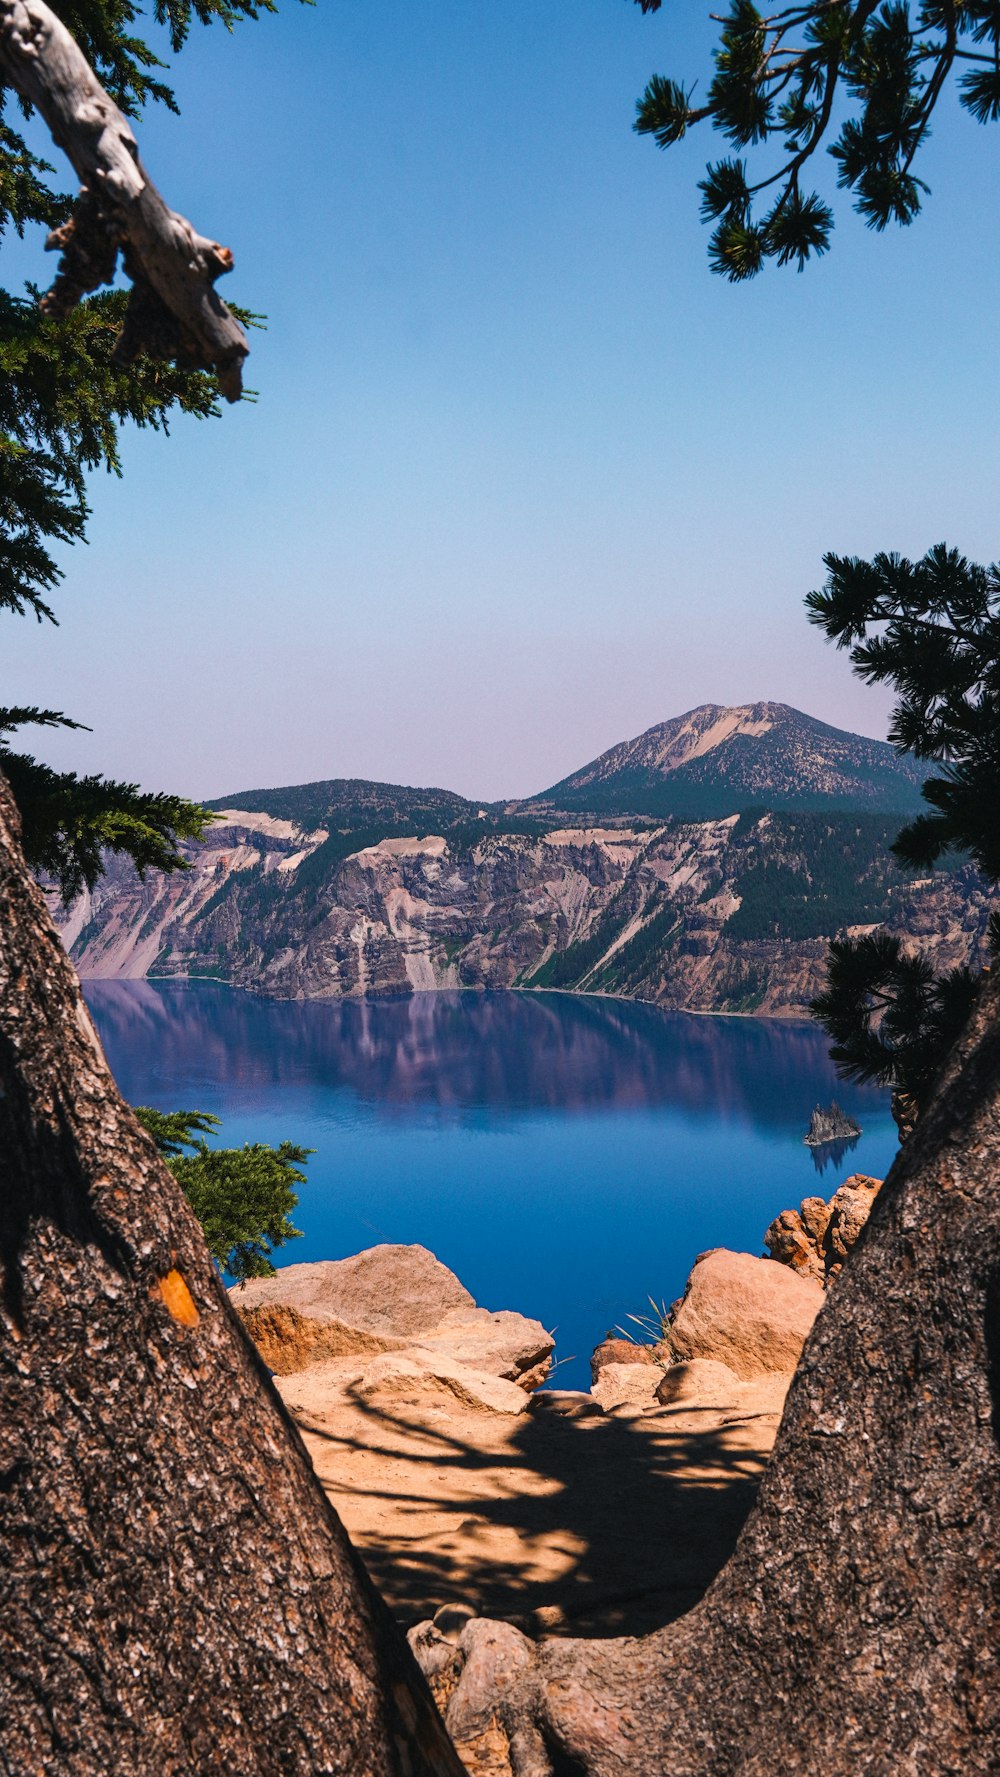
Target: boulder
point(416, 1378)
point(620, 1351)
point(626, 1385)
point(850, 1208)
point(385, 1299)
point(289, 1341)
point(395, 1290)
point(790, 1241)
point(702, 1383)
point(700, 1380)
point(816, 1238)
point(747, 1313)
point(765, 1394)
point(569, 1403)
point(504, 1343)
point(815, 1217)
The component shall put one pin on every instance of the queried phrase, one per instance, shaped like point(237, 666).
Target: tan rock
point(619, 1351)
point(384, 1299)
point(394, 1290)
point(702, 1384)
point(816, 1239)
point(503, 1343)
point(701, 1380)
point(290, 1341)
point(417, 1378)
point(569, 1403)
point(788, 1240)
point(850, 1208)
point(620, 1385)
point(764, 1395)
point(747, 1313)
point(551, 1518)
point(815, 1216)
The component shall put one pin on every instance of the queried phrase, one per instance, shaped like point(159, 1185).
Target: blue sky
point(523, 477)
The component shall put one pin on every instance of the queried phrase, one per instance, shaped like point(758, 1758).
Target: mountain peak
point(699, 731)
point(719, 758)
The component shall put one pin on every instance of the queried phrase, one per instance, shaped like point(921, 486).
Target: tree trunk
point(856, 1628)
point(176, 1594)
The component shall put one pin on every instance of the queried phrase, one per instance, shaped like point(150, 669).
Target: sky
point(522, 477)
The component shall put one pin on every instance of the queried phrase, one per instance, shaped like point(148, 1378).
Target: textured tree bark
point(176, 1594)
point(174, 310)
point(856, 1628)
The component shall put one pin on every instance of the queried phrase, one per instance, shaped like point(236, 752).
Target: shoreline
point(622, 999)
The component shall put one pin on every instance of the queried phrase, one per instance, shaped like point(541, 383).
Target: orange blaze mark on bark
point(179, 1299)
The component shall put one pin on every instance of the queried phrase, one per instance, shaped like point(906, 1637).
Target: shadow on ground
point(597, 1526)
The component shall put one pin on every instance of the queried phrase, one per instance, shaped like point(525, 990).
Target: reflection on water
point(566, 1156)
point(463, 1051)
point(833, 1153)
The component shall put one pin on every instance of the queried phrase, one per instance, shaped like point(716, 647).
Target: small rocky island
point(831, 1125)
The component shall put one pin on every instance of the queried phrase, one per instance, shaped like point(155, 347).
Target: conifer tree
point(243, 1197)
point(856, 77)
point(931, 629)
point(176, 1593)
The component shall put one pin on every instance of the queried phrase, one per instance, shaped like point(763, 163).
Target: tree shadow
point(597, 1526)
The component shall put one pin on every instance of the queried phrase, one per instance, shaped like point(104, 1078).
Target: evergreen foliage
point(859, 77)
point(63, 402)
point(69, 821)
point(808, 876)
point(634, 964)
point(173, 1131)
point(569, 966)
point(641, 958)
point(891, 1018)
point(243, 1197)
point(931, 629)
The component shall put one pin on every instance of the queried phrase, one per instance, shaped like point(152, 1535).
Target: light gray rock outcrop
point(408, 915)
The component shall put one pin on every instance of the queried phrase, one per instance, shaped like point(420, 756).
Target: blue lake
point(568, 1157)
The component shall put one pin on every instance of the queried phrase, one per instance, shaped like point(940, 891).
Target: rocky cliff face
point(719, 915)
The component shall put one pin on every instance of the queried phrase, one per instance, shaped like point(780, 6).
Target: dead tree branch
point(174, 310)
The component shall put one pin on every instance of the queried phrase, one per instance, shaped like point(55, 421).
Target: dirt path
point(599, 1526)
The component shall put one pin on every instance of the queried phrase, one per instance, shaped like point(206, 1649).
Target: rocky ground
point(577, 1521)
point(471, 1489)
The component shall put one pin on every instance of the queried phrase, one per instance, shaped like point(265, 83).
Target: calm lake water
point(568, 1157)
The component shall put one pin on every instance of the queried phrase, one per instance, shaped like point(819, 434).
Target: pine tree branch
point(174, 310)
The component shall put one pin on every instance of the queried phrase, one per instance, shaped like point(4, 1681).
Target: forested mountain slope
point(714, 760)
point(722, 915)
